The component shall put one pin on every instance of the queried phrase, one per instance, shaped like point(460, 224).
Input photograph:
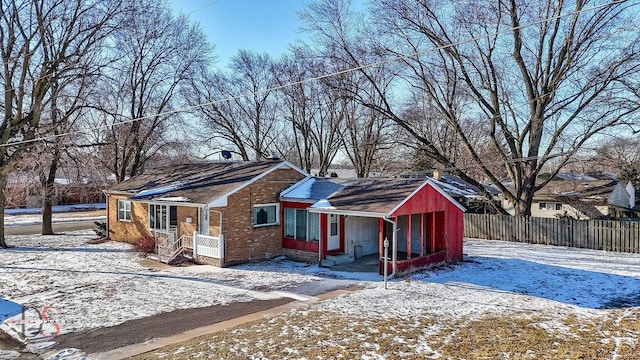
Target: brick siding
point(127, 231)
point(243, 242)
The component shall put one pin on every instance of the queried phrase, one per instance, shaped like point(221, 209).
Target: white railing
point(209, 246)
point(167, 246)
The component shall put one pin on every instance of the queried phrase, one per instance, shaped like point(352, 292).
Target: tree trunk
point(525, 198)
point(47, 227)
point(3, 184)
point(48, 185)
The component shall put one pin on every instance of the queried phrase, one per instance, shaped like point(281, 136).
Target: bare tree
point(41, 42)
point(311, 109)
point(622, 157)
point(241, 106)
point(544, 78)
point(156, 54)
point(64, 108)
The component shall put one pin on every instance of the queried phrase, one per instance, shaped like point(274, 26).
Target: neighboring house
point(238, 200)
point(622, 201)
point(578, 198)
point(24, 190)
point(336, 220)
point(475, 201)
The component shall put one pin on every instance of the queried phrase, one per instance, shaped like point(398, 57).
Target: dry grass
point(315, 335)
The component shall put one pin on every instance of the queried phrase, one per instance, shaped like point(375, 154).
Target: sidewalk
point(137, 349)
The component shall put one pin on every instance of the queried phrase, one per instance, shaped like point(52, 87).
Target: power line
point(316, 78)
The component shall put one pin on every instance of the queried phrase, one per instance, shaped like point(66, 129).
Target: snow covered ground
point(97, 285)
point(19, 220)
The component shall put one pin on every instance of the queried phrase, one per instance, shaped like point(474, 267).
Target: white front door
point(333, 232)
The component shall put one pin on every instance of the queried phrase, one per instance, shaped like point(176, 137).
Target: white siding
point(361, 231)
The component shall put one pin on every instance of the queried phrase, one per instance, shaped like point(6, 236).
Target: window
point(333, 224)
point(124, 210)
point(163, 217)
point(550, 206)
point(314, 227)
point(266, 214)
point(300, 224)
point(290, 223)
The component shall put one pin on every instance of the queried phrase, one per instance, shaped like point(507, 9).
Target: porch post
point(195, 244)
point(421, 234)
point(394, 256)
point(380, 238)
point(433, 232)
point(408, 236)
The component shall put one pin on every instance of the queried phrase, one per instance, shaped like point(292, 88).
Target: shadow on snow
point(584, 288)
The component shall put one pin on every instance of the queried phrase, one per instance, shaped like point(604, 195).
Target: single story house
point(580, 199)
point(226, 213)
point(327, 217)
point(236, 201)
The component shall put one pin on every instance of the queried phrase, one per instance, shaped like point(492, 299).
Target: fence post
point(221, 250)
point(195, 244)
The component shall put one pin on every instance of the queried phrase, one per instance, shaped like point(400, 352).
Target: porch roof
point(372, 197)
point(205, 183)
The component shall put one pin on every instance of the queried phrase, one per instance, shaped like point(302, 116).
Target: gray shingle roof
point(199, 182)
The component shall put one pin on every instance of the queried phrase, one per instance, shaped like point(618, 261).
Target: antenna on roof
point(226, 155)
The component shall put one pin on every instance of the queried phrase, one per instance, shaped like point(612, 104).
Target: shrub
point(145, 245)
point(100, 229)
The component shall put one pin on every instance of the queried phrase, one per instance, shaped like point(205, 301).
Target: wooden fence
point(610, 235)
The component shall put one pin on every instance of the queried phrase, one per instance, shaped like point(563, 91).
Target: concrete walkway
point(136, 349)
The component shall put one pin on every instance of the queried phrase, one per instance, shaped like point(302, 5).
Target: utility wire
point(316, 78)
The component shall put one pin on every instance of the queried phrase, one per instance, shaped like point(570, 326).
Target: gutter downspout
point(394, 247)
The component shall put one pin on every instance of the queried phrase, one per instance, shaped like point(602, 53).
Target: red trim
point(381, 238)
point(415, 263)
point(341, 219)
point(409, 236)
point(309, 246)
point(422, 234)
point(294, 205)
point(323, 234)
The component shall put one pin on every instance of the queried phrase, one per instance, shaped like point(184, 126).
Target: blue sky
point(258, 25)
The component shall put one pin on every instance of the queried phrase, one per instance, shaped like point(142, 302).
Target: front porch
point(369, 264)
point(200, 248)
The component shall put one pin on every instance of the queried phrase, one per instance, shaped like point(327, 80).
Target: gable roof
point(595, 191)
point(377, 197)
point(199, 182)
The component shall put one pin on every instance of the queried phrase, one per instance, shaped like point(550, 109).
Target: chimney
point(436, 174)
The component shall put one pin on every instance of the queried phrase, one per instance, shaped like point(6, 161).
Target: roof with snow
point(370, 195)
point(199, 182)
point(596, 191)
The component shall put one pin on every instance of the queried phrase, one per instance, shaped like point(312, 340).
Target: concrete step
point(327, 263)
point(340, 259)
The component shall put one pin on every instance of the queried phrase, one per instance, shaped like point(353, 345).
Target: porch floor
point(368, 263)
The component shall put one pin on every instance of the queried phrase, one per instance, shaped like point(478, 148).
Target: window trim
point(548, 203)
point(277, 214)
point(295, 222)
point(124, 210)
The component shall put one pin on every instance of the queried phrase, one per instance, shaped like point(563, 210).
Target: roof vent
point(273, 156)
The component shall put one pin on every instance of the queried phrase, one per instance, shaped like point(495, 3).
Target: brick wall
point(243, 242)
point(214, 220)
point(128, 231)
point(184, 227)
point(299, 255)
